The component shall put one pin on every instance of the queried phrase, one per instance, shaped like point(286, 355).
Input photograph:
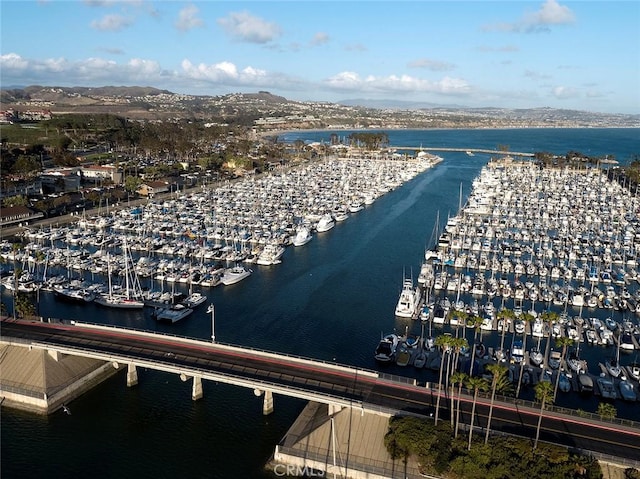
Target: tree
point(606, 411)
point(460, 379)
point(476, 322)
point(544, 392)
point(444, 343)
point(505, 315)
point(527, 318)
point(24, 307)
point(499, 383)
point(562, 342)
point(456, 345)
point(475, 384)
point(548, 317)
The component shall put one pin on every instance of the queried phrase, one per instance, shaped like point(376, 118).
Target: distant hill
point(394, 104)
point(149, 103)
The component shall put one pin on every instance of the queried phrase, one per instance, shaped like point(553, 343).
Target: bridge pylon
point(132, 375)
point(267, 403)
point(196, 389)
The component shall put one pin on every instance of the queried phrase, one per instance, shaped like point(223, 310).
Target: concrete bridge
point(473, 151)
point(338, 386)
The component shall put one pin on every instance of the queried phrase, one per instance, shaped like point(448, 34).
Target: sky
point(582, 55)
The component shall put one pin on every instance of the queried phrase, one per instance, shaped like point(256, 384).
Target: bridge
point(337, 385)
point(463, 150)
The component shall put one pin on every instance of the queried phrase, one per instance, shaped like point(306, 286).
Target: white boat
point(634, 370)
point(234, 275)
point(119, 301)
point(271, 254)
point(194, 299)
point(302, 237)
point(536, 357)
point(386, 349)
point(325, 223)
point(174, 313)
point(409, 300)
point(517, 353)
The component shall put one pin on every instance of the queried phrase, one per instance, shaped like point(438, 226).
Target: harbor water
point(330, 299)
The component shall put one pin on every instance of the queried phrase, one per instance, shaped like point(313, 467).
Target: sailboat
point(131, 296)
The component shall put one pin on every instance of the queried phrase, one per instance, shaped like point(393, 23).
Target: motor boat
point(409, 300)
point(386, 349)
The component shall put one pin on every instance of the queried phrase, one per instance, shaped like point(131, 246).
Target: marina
point(329, 299)
point(545, 253)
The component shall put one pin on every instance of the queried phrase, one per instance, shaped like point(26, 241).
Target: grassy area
point(29, 134)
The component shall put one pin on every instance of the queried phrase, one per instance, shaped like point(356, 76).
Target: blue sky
point(514, 54)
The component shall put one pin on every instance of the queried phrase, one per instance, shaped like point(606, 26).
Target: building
point(151, 188)
point(100, 173)
point(18, 214)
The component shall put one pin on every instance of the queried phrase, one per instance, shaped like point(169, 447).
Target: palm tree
point(458, 378)
point(443, 342)
point(544, 392)
point(548, 317)
point(476, 384)
point(461, 317)
point(527, 318)
point(456, 345)
point(499, 382)
point(475, 321)
point(504, 314)
point(563, 342)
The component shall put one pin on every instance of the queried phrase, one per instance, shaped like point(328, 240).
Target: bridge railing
point(356, 369)
point(298, 386)
point(323, 455)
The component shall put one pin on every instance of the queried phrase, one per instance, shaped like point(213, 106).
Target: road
point(362, 389)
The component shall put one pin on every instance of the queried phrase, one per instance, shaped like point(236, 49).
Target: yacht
point(271, 254)
point(325, 223)
point(627, 391)
point(194, 299)
point(173, 314)
point(386, 349)
point(234, 275)
point(302, 237)
point(517, 353)
point(409, 300)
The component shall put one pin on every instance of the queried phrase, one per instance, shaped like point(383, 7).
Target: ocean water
point(330, 300)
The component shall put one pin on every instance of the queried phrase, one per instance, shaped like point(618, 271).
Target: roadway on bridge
point(360, 389)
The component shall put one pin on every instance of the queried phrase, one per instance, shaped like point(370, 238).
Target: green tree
point(460, 379)
point(562, 342)
point(476, 385)
point(527, 318)
point(606, 411)
point(443, 342)
point(476, 322)
point(544, 393)
point(499, 383)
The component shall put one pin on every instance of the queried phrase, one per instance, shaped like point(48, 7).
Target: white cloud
point(433, 65)
point(16, 69)
point(188, 18)
point(351, 81)
point(550, 13)
point(563, 92)
point(111, 23)
point(320, 38)
point(248, 28)
point(224, 72)
point(13, 62)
